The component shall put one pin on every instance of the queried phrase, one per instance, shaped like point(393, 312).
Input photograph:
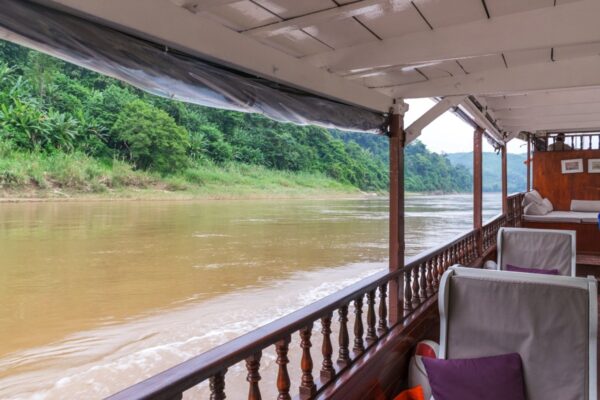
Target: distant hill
point(428, 171)
point(425, 171)
point(492, 171)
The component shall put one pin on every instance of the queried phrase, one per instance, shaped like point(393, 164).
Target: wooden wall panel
point(588, 235)
point(562, 188)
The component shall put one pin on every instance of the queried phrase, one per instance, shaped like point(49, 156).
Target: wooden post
point(478, 187)
point(504, 182)
point(528, 160)
point(397, 141)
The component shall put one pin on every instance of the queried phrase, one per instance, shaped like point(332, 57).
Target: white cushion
point(585, 205)
point(532, 197)
point(548, 204)
point(536, 209)
point(555, 216)
point(588, 217)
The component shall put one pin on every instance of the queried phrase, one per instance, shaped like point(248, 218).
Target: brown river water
point(95, 296)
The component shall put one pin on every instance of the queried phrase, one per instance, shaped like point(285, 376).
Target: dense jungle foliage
point(50, 107)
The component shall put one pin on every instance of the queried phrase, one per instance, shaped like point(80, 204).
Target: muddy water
point(96, 296)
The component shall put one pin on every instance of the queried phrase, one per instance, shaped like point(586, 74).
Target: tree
point(217, 149)
point(150, 138)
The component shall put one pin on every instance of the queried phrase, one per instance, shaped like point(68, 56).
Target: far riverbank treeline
point(56, 117)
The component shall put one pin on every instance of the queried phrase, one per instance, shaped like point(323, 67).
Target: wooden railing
point(514, 214)
point(419, 281)
point(556, 142)
point(489, 231)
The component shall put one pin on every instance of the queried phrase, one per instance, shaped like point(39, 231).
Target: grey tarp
point(158, 70)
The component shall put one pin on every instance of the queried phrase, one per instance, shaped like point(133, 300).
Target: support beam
point(533, 29)
point(166, 23)
point(397, 142)
point(478, 186)
point(481, 120)
point(415, 129)
point(528, 161)
point(542, 76)
point(504, 181)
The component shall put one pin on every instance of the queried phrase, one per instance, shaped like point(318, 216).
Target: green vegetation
point(492, 170)
point(66, 128)
point(63, 174)
point(424, 171)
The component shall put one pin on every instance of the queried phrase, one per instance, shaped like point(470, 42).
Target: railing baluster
point(252, 366)
point(327, 370)
point(415, 287)
point(429, 277)
point(283, 377)
point(423, 281)
point(307, 385)
point(454, 256)
point(359, 345)
point(436, 272)
point(408, 291)
point(217, 386)
point(383, 324)
point(343, 354)
point(371, 331)
point(471, 248)
point(440, 263)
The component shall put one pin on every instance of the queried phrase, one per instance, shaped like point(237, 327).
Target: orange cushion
point(415, 393)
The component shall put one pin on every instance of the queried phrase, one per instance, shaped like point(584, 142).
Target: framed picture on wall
point(594, 165)
point(572, 166)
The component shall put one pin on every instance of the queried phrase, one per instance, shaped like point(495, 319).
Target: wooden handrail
point(419, 278)
point(585, 141)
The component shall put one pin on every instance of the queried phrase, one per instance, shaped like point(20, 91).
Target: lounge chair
point(551, 321)
point(545, 249)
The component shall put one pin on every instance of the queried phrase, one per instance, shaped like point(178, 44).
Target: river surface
point(97, 296)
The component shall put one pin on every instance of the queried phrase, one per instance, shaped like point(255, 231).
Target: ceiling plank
point(529, 30)
point(168, 24)
point(545, 99)
point(564, 119)
point(199, 6)
point(332, 14)
point(549, 111)
point(576, 126)
point(577, 73)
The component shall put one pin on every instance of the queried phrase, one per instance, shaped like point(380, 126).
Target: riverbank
point(40, 177)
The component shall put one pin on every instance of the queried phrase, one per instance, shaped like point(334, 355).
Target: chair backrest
point(538, 248)
point(551, 321)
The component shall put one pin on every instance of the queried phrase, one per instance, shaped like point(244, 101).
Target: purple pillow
point(512, 268)
point(486, 378)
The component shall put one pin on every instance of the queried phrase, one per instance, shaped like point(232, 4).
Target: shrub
point(150, 138)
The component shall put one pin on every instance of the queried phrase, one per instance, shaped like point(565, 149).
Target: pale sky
point(448, 133)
